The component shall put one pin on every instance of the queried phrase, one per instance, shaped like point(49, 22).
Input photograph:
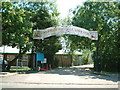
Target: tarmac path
point(73, 77)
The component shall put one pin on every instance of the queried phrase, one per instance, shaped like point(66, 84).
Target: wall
point(64, 60)
point(11, 56)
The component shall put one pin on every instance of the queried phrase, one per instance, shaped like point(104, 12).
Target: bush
point(86, 56)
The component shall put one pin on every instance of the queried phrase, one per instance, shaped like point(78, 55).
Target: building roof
point(62, 52)
point(9, 49)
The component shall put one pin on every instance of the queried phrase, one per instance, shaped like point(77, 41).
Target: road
point(75, 77)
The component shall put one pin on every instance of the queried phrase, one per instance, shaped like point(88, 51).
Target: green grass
point(19, 69)
point(104, 72)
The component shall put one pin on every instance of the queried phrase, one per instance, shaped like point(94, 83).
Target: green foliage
point(103, 17)
point(19, 19)
point(15, 26)
point(46, 16)
point(65, 21)
point(86, 56)
point(48, 46)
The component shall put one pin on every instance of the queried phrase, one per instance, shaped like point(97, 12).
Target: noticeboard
point(39, 56)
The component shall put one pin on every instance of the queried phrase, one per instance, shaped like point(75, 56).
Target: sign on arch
point(60, 30)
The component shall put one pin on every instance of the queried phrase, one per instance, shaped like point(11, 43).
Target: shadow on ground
point(82, 72)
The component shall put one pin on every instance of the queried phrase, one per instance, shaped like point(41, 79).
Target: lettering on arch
point(60, 30)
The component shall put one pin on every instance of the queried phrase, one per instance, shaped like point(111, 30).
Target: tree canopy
point(15, 26)
point(103, 17)
point(19, 19)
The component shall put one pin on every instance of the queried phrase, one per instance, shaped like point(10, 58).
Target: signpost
point(39, 56)
point(44, 65)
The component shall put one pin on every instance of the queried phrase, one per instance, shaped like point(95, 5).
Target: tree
point(46, 16)
point(21, 18)
point(86, 56)
point(15, 27)
point(103, 17)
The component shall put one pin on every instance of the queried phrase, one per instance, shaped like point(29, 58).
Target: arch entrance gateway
point(60, 30)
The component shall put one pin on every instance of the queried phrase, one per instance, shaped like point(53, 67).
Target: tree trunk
point(3, 66)
point(32, 61)
point(3, 63)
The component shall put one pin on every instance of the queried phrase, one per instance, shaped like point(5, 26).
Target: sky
point(65, 5)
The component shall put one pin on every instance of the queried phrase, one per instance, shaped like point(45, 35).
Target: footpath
point(6, 74)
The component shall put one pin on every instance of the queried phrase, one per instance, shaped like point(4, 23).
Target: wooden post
point(17, 65)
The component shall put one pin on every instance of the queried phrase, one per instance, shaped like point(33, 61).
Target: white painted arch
point(60, 30)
